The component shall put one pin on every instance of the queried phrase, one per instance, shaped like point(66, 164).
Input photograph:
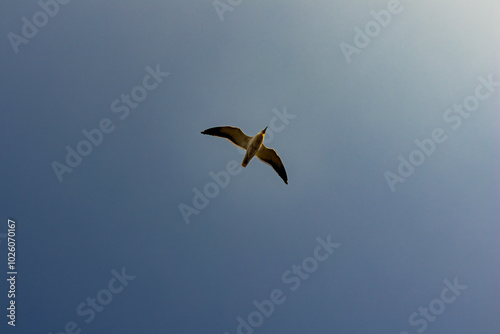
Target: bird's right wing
point(234, 135)
point(270, 157)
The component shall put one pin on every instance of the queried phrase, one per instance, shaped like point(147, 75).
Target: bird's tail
point(246, 160)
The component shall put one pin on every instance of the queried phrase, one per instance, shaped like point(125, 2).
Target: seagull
point(253, 145)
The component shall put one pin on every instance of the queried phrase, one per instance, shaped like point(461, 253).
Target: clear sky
point(384, 113)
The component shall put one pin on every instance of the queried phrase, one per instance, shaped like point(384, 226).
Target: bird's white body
point(254, 147)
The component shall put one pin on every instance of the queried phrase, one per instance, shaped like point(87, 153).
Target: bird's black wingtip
point(207, 131)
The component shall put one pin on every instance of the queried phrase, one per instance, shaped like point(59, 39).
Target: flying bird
point(253, 145)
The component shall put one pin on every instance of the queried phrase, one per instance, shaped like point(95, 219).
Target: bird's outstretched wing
point(270, 157)
point(234, 135)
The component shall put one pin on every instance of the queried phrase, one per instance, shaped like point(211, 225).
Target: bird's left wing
point(270, 157)
point(234, 135)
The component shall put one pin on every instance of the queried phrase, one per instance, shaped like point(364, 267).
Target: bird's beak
point(264, 131)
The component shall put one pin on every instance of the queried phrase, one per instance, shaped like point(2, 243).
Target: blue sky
point(102, 246)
